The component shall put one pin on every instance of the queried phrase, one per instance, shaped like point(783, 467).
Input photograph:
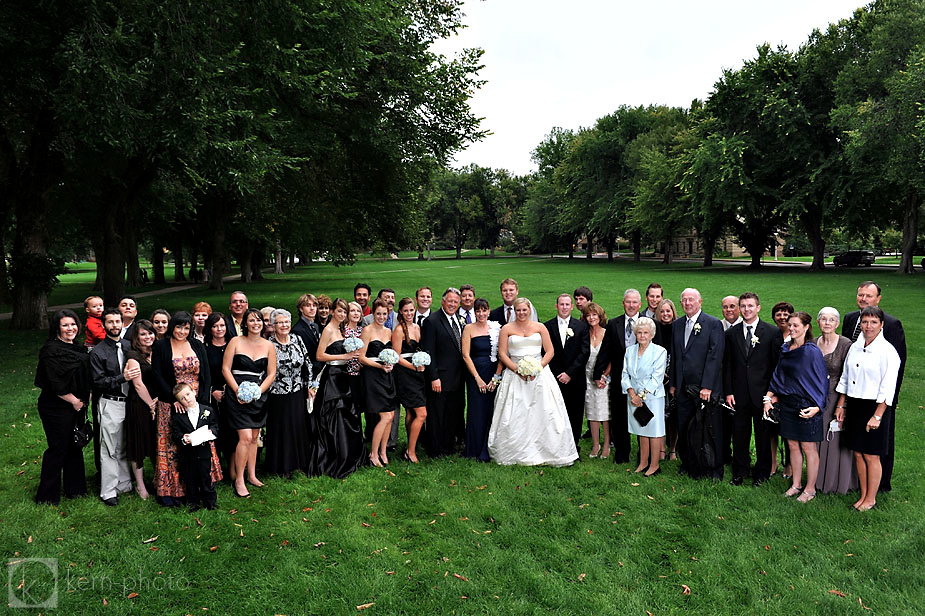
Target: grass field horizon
point(456, 536)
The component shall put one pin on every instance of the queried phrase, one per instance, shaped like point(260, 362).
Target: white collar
point(696, 316)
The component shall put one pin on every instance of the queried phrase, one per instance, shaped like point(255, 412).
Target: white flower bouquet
point(387, 357)
point(529, 366)
point(420, 358)
point(352, 344)
point(248, 392)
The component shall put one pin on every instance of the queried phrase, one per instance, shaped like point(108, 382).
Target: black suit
point(310, 334)
point(230, 330)
point(195, 462)
point(616, 351)
point(498, 315)
point(571, 360)
point(894, 334)
point(699, 362)
point(445, 410)
point(747, 371)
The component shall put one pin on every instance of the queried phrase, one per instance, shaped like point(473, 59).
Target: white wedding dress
point(530, 425)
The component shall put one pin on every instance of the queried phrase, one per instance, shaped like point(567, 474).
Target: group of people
point(190, 391)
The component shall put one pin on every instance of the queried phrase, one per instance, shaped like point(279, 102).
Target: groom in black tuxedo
point(571, 345)
point(751, 353)
point(869, 295)
point(441, 336)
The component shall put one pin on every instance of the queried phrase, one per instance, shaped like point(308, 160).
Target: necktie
point(508, 317)
point(629, 331)
point(420, 319)
point(857, 330)
point(687, 331)
point(468, 317)
point(456, 329)
point(121, 358)
point(748, 339)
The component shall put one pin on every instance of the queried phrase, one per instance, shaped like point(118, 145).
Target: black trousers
point(746, 415)
point(445, 415)
point(196, 475)
point(574, 396)
point(620, 441)
point(688, 405)
point(62, 455)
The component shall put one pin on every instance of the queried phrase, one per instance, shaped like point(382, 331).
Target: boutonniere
point(755, 341)
point(697, 329)
point(205, 414)
point(569, 333)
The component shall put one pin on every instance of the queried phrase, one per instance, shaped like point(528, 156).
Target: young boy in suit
point(195, 461)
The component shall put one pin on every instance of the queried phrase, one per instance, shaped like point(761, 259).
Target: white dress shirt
point(563, 325)
point(870, 372)
point(727, 324)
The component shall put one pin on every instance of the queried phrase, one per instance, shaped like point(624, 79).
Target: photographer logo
point(32, 583)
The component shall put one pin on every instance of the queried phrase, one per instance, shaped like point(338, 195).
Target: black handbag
point(643, 415)
point(83, 431)
point(773, 414)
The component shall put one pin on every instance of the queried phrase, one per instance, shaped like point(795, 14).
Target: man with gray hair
point(697, 361)
point(441, 337)
point(620, 333)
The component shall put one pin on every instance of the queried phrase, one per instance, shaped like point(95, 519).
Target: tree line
point(826, 140)
point(229, 129)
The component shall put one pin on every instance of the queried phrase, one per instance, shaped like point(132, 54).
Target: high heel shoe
point(234, 489)
point(653, 473)
point(375, 461)
point(642, 470)
point(793, 491)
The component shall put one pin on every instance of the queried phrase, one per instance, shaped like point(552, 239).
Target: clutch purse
point(643, 415)
point(83, 431)
point(773, 414)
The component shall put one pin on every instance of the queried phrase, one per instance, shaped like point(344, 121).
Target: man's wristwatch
point(878, 417)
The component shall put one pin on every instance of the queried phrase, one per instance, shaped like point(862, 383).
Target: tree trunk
point(5, 296)
point(637, 246)
point(218, 261)
point(910, 233)
point(666, 247)
point(589, 254)
point(96, 241)
point(157, 264)
point(257, 263)
point(177, 249)
point(610, 245)
point(244, 262)
point(492, 252)
point(29, 258)
point(709, 243)
point(194, 254)
point(755, 255)
point(132, 267)
point(279, 258)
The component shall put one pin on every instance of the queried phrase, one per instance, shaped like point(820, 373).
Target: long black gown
point(338, 448)
point(480, 406)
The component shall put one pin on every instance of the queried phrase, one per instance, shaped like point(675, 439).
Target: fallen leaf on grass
point(460, 577)
point(581, 577)
point(308, 509)
point(861, 603)
point(634, 484)
point(132, 595)
point(153, 548)
point(213, 548)
point(650, 497)
point(152, 539)
point(390, 472)
point(319, 544)
point(105, 602)
point(619, 563)
point(365, 525)
point(365, 606)
point(694, 558)
point(20, 473)
point(835, 591)
point(767, 547)
point(390, 573)
point(232, 511)
point(685, 589)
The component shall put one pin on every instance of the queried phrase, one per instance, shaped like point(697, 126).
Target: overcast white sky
point(569, 62)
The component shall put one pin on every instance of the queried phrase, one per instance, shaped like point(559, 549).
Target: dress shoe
point(657, 471)
point(760, 480)
point(737, 481)
point(112, 501)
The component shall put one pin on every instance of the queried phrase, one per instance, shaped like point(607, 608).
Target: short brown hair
point(596, 309)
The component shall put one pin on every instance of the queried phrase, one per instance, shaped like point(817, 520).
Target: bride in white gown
point(530, 425)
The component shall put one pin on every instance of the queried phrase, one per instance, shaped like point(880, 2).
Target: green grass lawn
point(455, 536)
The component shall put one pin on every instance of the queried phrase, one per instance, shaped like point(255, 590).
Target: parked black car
point(854, 258)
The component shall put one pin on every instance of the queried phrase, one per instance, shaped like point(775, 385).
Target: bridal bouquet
point(387, 357)
point(420, 358)
point(352, 344)
point(529, 366)
point(248, 392)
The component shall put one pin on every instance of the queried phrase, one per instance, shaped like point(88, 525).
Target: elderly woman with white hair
point(288, 443)
point(837, 472)
point(643, 382)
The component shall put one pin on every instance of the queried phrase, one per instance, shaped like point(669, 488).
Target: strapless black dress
point(254, 414)
point(378, 385)
point(410, 383)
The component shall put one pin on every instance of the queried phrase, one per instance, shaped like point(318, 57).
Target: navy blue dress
point(479, 405)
